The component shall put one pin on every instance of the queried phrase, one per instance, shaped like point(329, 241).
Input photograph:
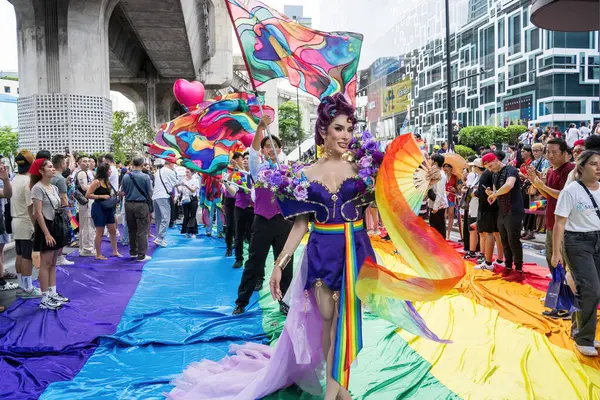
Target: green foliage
point(288, 123)
point(10, 78)
point(130, 134)
point(475, 136)
point(9, 142)
point(513, 133)
point(464, 151)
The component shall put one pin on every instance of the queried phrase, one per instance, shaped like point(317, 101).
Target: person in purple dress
point(331, 196)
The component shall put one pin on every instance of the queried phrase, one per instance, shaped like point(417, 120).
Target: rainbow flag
point(320, 63)
point(202, 139)
point(537, 204)
point(74, 223)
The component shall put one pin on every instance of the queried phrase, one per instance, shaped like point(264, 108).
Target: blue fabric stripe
point(179, 314)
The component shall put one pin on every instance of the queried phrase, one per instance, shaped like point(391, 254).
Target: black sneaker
point(469, 255)
point(557, 314)
point(228, 253)
point(238, 310)
point(238, 264)
point(284, 308)
point(259, 286)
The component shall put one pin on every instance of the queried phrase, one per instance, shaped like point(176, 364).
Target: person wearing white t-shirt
point(572, 135)
point(165, 180)
point(584, 131)
point(578, 221)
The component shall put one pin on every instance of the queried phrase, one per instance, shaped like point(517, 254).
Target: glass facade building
point(504, 70)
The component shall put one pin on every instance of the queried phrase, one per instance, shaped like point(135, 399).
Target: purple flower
point(366, 135)
point(352, 143)
point(371, 146)
point(275, 179)
point(365, 172)
point(360, 154)
point(300, 193)
point(365, 162)
point(361, 186)
point(377, 157)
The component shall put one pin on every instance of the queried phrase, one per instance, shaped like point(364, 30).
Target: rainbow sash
point(349, 326)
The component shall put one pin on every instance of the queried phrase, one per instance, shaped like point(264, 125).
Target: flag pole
point(251, 78)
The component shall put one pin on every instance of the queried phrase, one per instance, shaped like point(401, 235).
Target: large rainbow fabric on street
point(320, 63)
point(202, 139)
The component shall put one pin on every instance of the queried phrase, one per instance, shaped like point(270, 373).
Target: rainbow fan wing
point(408, 171)
point(429, 267)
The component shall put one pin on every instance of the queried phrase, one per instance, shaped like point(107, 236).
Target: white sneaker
point(596, 344)
point(9, 286)
point(147, 258)
point(589, 351)
point(62, 260)
point(500, 264)
point(549, 276)
point(193, 236)
point(164, 243)
point(50, 303)
point(33, 293)
point(157, 241)
point(484, 266)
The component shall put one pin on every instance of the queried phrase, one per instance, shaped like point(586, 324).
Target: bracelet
point(282, 261)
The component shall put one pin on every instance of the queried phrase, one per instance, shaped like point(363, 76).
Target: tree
point(130, 134)
point(288, 123)
point(464, 151)
point(9, 143)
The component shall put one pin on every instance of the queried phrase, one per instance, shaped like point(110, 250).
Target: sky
point(8, 35)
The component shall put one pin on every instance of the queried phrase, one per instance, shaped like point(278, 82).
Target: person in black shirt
point(507, 193)
point(487, 224)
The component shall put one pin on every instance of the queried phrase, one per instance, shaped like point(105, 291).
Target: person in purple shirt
point(229, 207)
point(269, 228)
point(243, 213)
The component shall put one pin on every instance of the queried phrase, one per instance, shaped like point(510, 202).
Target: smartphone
point(67, 151)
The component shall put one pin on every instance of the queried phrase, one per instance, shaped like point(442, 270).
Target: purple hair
point(331, 107)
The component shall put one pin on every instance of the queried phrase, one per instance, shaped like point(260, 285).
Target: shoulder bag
point(591, 198)
point(79, 194)
point(112, 202)
point(143, 193)
point(60, 226)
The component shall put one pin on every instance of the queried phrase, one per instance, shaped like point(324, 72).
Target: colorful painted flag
point(320, 63)
point(202, 139)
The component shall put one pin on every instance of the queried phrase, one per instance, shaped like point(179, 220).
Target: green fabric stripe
point(387, 368)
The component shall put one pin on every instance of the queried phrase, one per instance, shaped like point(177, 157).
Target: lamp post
point(448, 80)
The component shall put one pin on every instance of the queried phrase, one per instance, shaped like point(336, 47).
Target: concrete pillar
point(64, 74)
point(151, 102)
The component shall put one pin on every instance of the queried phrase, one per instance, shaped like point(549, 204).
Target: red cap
point(488, 158)
point(579, 142)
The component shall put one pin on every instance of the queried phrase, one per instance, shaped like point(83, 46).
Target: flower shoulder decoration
point(284, 181)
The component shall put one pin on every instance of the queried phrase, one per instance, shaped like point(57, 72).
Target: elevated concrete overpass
point(73, 52)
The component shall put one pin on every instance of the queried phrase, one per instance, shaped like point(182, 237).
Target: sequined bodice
point(345, 204)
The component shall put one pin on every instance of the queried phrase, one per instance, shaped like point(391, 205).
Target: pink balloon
point(247, 139)
point(188, 93)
